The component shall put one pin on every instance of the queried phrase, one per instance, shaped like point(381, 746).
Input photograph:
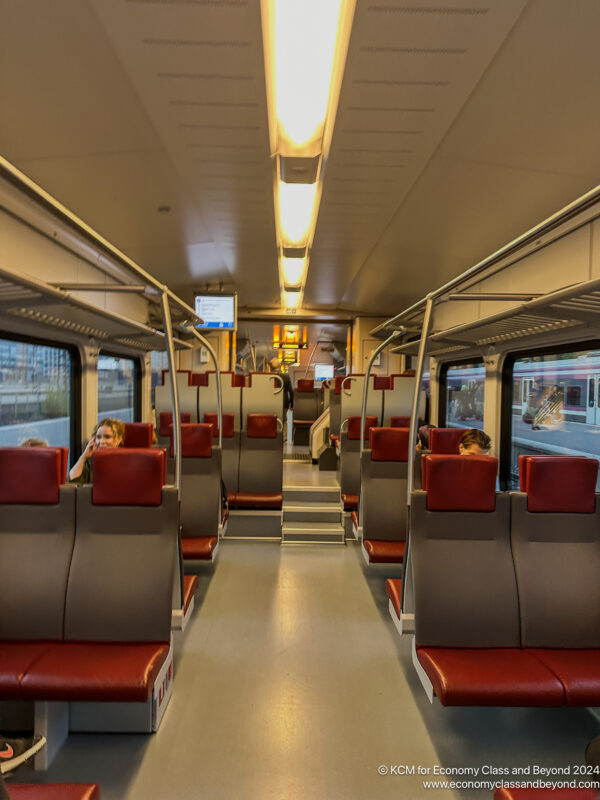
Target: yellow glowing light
point(296, 203)
point(292, 270)
point(290, 299)
point(305, 33)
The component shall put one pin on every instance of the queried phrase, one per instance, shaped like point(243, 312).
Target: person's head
point(274, 364)
point(474, 443)
point(34, 443)
point(109, 432)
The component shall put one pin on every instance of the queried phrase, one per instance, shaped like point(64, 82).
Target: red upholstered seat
point(578, 670)
point(393, 589)
point(30, 475)
point(16, 658)
point(190, 584)
point(354, 426)
point(196, 440)
point(389, 444)
point(445, 441)
point(350, 501)
point(199, 379)
point(228, 424)
point(303, 423)
point(138, 434)
point(128, 476)
point(381, 551)
point(490, 677)
point(94, 671)
point(400, 422)
point(198, 548)
point(382, 382)
point(334, 439)
point(166, 421)
point(459, 483)
point(560, 484)
point(305, 385)
point(262, 426)
point(561, 793)
point(54, 791)
point(354, 518)
point(255, 500)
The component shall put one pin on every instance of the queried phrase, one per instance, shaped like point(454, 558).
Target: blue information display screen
point(323, 371)
point(217, 311)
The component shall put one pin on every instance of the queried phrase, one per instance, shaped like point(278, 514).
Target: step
point(311, 494)
point(312, 533)
point(295, 511)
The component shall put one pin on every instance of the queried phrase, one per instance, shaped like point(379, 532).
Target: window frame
point(443, 386)
point(75, 372)
point(137, 378)
point(506, 395)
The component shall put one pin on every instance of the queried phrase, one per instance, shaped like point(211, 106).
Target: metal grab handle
point(348, 378)
point(280, 379)
point(279, 425)
point(342, 429)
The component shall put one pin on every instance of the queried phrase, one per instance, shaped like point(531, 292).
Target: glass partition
point(117, 381)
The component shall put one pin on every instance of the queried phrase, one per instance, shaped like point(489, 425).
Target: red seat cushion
point(303, 423)
point(334, 439)
point(393, 589)
point(261, 426)
point(578, 670)
point(55, 791)
point(15, 659)
point(354, 518)
point(384, 552)
point(350, 501)
point(490, 677)
point(90, 671)
point(256, 500)
point(190, 583)
point(30, 475)
point(198, 547)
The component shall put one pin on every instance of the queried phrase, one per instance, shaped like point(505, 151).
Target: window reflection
point(116, 388)
point(465, 391)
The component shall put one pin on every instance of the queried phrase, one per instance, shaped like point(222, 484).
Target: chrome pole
point(174, 390)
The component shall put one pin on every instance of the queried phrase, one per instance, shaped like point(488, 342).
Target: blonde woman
point(108, 432)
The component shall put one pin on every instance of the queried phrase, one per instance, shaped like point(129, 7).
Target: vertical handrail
point(174, 389)
point(363, 417)
point(213, 355)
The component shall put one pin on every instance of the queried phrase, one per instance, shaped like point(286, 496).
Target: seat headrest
point(128, 477)
point(382, 382)
point(354, 426)
point(389, 444)
point(306, 385)
point(166, 420)
point(64, 463)
point(30, 475)
point(138, 434)
point(228, 424)
point(262, 426)
point(400, 422)
point(196, 440)
point(445, 441)
point(238, 380)
point(338, 384)
point(459, 483)
point(561, 484)
point(199, 379)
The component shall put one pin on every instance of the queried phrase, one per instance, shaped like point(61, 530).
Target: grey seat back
point(465, 590)
point(37, 531)
point(126, 551)
point(261, 455)
point(384, 471)
point(335, 406)
point(230, 449)
point(305, 401)
point(350, 452)
point(188, 395)
point(200, 482)
point(555, 532)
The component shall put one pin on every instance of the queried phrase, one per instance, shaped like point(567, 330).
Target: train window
point(159, 360)
point(36, 393)
point(462, 395)
point(117, 387)
point(553, 409)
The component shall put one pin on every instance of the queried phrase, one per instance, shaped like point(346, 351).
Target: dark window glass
point(35, 393)
point(555, 409)
point(116, 387)
point(465, 392)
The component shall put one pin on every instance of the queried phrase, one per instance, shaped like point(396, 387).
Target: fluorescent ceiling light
point(305, 35)
point(290, 300)
point(292, 270)
point(296, 203)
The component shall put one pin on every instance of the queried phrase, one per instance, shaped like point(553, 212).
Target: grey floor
point(291, 682)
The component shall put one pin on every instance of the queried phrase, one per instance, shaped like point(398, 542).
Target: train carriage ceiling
point(460, 125)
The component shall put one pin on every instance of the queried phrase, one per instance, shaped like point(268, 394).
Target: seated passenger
point(108, 432)
point(34, 443)
point(474, 443)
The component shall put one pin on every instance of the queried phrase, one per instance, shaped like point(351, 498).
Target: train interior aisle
point(291, 682)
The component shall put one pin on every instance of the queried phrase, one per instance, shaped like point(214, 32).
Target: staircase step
point(312, 532)
point(311, 494)
point(296, 511)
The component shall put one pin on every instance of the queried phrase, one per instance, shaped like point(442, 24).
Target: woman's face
point(105, 437)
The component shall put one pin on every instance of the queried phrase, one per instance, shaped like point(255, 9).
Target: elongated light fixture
point(305, 45)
